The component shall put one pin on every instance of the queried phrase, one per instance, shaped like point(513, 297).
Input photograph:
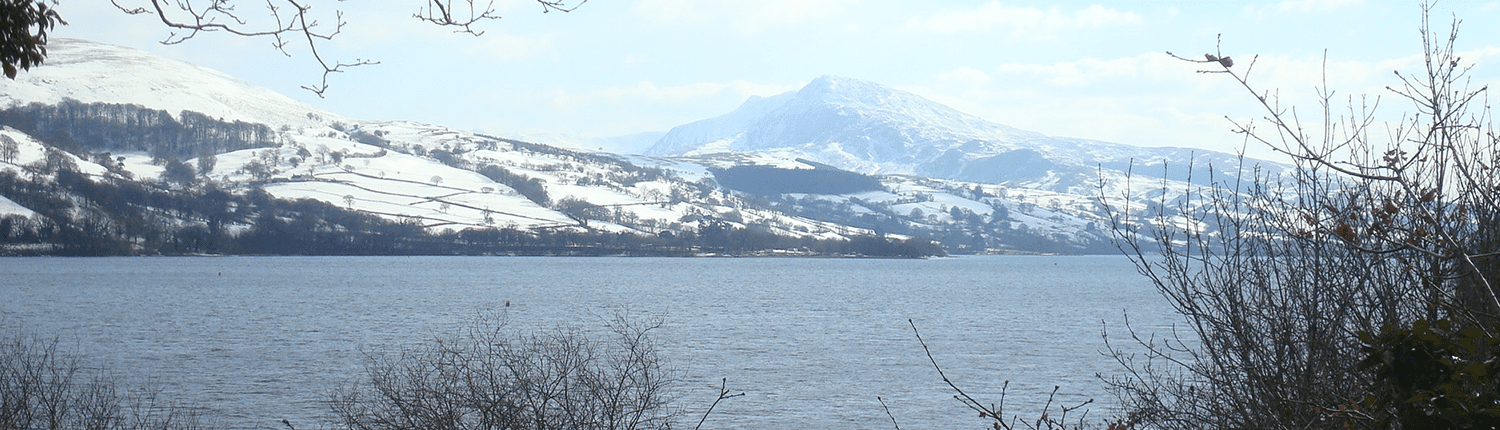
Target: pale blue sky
point(1080, 69)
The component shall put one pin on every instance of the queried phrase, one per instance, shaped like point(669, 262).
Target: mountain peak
point(841, 85)
point(846, 122)
point(844, 91)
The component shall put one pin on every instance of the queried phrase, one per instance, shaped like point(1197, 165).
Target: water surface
point(811, 342)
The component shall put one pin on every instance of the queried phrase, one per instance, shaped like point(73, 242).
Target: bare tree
point(1278, 276)
point(494, 378)
point(42, 387)
point(9, 148)
point(289, 22)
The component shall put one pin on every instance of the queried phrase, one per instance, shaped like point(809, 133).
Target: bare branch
point(888, 413)
point(994, 412)
point(724, 393)
point(288, 19)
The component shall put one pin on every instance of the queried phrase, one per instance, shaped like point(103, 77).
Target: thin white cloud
point(377, 28)
point(1189, 117)
point(642, 106)
point(1300, 7)
point(966, 76)
point(1021, 22)
point(508, 7)
point(745, 16)
point(1152, 99)
point(1316, 5)
point(648, 93)
point(509, 47)
point(1150, 66)
point(1270, 71)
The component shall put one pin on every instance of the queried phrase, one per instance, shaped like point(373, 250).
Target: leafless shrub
point(44, 388)
point(492, 377)
point(1276, 276)
point(995, 413)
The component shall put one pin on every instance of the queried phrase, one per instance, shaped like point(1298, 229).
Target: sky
point(1094, 70)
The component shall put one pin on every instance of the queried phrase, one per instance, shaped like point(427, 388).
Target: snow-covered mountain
point(839, 159)
point(946, 174)
point(119, 114)
point(865, 127)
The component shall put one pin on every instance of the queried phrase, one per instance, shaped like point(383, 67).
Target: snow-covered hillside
point(119, 114)
point(435, 176)
point(93, 72)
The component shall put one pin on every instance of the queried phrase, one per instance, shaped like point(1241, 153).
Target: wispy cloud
point(1134, 99)
point(645, 105)
point(1083, 99)
point(1094, 71)
point(1316, 5)
point(648, 93)
point(745, 16)
point(508, 47)
point(1301, 7)
point(965, 76)
point(1021, 22)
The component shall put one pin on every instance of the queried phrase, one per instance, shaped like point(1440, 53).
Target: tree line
point(85, 128)
point(83, 215)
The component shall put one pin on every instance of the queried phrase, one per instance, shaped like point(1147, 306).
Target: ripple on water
point(811, 341)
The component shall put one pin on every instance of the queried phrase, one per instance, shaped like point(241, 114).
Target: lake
point(812, 342)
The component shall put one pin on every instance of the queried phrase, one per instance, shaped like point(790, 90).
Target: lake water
point(812, 342)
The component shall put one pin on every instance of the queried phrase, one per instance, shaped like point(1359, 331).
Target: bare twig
point(724, 393)
point(888, 412)
point(288, 19)
point(997, 412)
